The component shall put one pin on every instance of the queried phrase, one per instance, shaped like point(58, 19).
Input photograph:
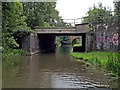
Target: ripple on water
point(70, 80)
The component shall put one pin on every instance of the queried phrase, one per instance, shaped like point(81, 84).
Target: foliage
point(46, 24)
point(22, 31)
point(98, 15)
point(13, 25)
point(64, 40)
point(108, 60)
point(42, 14)
point(9, 53)
point(113, 64)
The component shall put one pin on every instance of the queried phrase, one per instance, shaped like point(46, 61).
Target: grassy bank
point(108, 60)
point(77, 44)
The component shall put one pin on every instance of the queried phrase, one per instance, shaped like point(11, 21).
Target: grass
point(113, 64)
point(91, 59)
point(105, 54)
point(79, 44)
point(108, 60)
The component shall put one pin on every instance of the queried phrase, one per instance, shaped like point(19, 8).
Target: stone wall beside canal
point(106, 37)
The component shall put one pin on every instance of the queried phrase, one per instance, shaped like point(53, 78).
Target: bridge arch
point(73, 39)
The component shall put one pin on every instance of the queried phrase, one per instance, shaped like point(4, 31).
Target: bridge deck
point(55, 30)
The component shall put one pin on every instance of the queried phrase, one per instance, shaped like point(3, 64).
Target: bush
point(8, 53)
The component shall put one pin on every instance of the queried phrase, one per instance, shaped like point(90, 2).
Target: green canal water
point(54, 70)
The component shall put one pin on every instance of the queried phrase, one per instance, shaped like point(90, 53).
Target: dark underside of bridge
point(47, 41)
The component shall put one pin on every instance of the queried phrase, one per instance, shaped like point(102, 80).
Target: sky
point(73, 9)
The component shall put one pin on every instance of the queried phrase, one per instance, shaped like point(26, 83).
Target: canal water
point(54, 70)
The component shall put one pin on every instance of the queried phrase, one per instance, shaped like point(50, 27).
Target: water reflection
point(53, 70)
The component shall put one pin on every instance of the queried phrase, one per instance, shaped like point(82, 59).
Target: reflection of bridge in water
point(46, 37)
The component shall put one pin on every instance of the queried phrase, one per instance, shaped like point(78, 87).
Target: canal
point(54, 70)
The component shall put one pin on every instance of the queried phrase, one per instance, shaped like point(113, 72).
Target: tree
point(98, 15)
point(14, 26)
point(40, 13)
